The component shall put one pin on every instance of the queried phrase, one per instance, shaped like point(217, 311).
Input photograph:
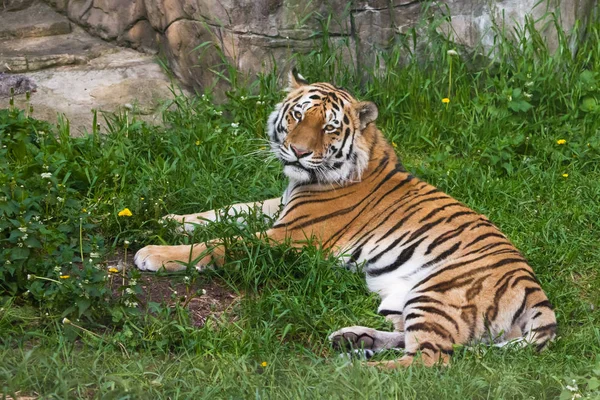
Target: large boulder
point(198, 36)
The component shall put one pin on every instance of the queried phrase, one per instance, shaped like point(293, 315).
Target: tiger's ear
point(367, 113)
point(296, 80)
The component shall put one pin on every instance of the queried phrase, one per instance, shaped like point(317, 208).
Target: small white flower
point(60, 199)
point(23, 229)
point(452, 53)
point(24, 237)
point(186, 279)
point(528, 96)
point(95, 255)
point(129, 291)
point(57, 269)
point(30, 277)
point(235, 125)
point(571, 388)
point(65, 321)
point(126, 242)
point(529, 84)
point(20, 244)
point(132, 282)
point(46, 175)
point(509, 98)
point(203, 292)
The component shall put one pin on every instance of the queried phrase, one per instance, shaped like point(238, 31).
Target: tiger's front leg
point(268, 207)
point(175, 258)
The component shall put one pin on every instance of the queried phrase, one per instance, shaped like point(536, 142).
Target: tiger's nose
point(300, 152)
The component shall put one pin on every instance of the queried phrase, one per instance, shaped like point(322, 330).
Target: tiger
point(446, 276)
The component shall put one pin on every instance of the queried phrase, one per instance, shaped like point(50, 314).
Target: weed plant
point(517, 139)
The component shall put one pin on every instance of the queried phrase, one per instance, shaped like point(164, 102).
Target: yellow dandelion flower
point(394, 144)
point(125, 213)
point(561, 141)
point(565, 175)
point(141, 198)
point(113, 270)
point(198, 142)
point(445, 100)
point(263, 364)
point(64, 276)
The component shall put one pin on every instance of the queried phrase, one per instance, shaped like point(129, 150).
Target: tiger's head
point(317, 132)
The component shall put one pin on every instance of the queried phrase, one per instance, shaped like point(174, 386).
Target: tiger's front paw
point(153, 258)
point(171, 258)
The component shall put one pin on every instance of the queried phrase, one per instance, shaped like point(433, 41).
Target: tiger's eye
point(297, 115)
point(329, 128)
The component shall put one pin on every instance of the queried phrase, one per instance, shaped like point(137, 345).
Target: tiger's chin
point(297, 174)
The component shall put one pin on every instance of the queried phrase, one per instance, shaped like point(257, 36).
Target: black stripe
point(437, 311)
point(485, 236)
point(424, 229)
point(374, 259)
point(521, 308)
point(439, 209)
point(475, 288)
point(523, 278)
point(545, 304)
point(422, 299)
point(447, 236)
point(550, 327)
point(404, 256)
point(385, 312)
point(410, 316)
point(442, 256)
point(431, 327)
point(460, 214)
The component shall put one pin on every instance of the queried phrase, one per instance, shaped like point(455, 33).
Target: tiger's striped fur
point(445, 274)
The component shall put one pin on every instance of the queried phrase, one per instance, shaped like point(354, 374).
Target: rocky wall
point(195, 35)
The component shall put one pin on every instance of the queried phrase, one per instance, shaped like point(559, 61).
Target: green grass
point(494, 147)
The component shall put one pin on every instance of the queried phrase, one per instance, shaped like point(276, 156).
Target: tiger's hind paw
point(353, 337)
point(360, 337)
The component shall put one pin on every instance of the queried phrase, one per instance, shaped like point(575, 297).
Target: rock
point(36, 53)
point(15, 85)
point(110, 18)
point(106, 84)
point(161, 14)
point(142, 37)
point(37, 20)
point(472, 22)
point(14, 5)
point(250, 34)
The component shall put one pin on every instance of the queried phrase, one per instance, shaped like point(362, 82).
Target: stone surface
point(36, 53)
point(74, 73)
point(472, 22)
point(37, 20)
point(14, 5)
point(250, 34)
point(118, 81)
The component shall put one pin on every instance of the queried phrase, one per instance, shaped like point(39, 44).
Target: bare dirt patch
point(203, 298)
